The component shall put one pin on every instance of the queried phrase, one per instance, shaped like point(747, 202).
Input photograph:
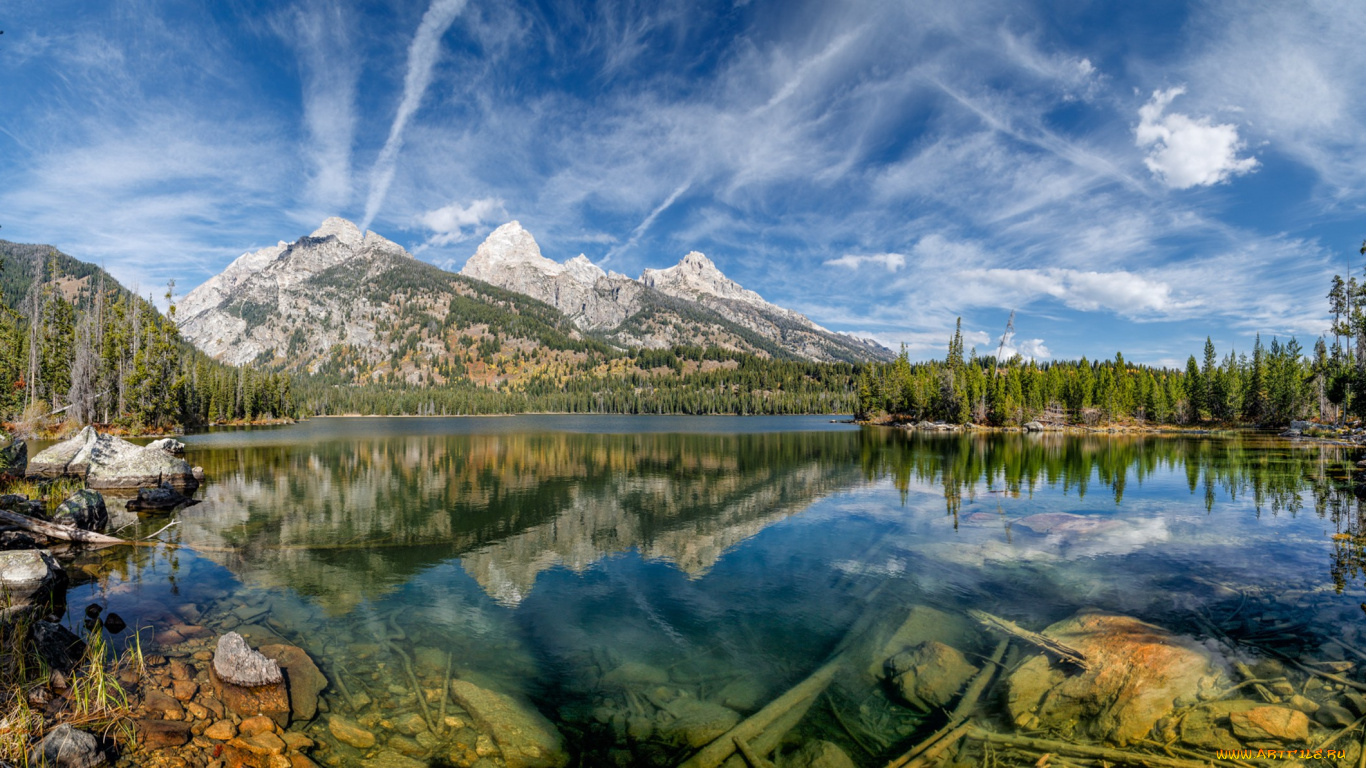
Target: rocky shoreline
point(1045, 426)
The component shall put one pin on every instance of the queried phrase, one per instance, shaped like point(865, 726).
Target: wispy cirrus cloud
point(321, 36)
point(888, 261)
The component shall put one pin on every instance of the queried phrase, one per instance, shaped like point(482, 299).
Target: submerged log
point(1048, 644)
point(754, 760)
point(61, 532)
point(723, 746)
point(1119, 756)
point(769, 739)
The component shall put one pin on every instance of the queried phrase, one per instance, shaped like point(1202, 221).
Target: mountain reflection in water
point(541, 553)
point(345, 521)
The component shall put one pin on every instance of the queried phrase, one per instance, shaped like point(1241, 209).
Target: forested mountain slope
point(75, 342)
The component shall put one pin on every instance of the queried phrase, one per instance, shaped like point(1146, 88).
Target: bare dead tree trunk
point(34, 306)
point(84, 369)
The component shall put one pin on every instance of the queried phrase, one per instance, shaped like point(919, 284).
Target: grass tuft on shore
point(51, 491)
point(36, 700)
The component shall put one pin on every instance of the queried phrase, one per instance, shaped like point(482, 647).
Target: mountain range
point(361, 308)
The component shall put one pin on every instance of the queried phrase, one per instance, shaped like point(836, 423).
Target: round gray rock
point(28, 573)
point(85, 510)
point(66, 747)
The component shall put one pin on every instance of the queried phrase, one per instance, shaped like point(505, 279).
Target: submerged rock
point(1138, 672)
point(525, 737)
point(247, 682)
point(923, 624)
point(697, 722)
point(306, 681)
point(66, 747)
point(930, 675)
point(1270, 726)
point(1206, 726)
point(105, 461)
point(350, 732)
point(159, 499)
point(635, 673)
point(1333, 715)
point(83, 509)
point(817, 754)
point(156, 734)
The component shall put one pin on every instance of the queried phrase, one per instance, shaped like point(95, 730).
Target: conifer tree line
point(754, 386)
point(76, 345)
point(1273, 385)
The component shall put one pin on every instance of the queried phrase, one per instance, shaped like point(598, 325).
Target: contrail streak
point(422, 56)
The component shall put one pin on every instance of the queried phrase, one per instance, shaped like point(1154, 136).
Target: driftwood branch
point(1340, 680)
point(769, 739)
point(62, 532)
point(1048, 644)
point(723, 746)
point(754, 760)
point(1328, 742)
point(1119, 756)
point(936, 750)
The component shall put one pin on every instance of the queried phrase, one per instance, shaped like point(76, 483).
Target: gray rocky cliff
point(692, 302)
point(289, 298)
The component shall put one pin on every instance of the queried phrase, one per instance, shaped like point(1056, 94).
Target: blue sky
point(1127, 176)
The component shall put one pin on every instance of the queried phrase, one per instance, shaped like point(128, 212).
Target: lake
point(605, 568)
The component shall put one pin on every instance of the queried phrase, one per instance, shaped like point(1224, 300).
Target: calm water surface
point(726, 556)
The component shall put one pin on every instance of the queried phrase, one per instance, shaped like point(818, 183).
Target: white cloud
point(1121, 292)
point(422, 55)
point(1033, 349)
point(329, 70)
point(1188, 152)
point(889, 261)
point(448, 224)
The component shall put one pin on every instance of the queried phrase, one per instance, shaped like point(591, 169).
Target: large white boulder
point(106, 461)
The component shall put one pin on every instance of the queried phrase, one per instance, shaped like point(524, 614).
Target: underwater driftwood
point(1061, 650)
point(1119, 756)
point(723, 746)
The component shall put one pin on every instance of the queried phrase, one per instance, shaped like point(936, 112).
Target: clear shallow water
point(727, 555)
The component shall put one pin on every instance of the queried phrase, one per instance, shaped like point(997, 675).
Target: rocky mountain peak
point(346, 233)
point(583, 270)
point(694, 276)
point(509, 248)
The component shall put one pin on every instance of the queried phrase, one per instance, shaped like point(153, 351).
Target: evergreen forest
point(78, 347)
